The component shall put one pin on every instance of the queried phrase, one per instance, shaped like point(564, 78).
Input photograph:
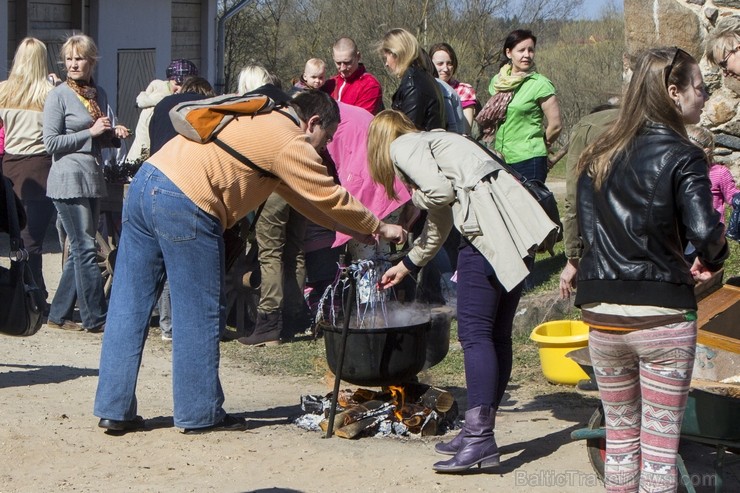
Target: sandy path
point(49, 440)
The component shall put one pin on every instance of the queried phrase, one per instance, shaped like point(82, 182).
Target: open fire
point(412, 408)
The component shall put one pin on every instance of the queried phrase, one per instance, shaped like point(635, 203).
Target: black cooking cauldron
point(377, 357)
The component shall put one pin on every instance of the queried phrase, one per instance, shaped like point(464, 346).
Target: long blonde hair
point(646, 100)
point(387, 126)
point(404, 46)
point(27, 87)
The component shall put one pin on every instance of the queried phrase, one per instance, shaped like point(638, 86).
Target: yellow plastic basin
point(556, 339)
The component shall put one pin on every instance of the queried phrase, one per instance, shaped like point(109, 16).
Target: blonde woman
point(459, 184)
point(723, 44)
point(26, 161)
point(251, 77)
point(418, 96)
point(76, 128)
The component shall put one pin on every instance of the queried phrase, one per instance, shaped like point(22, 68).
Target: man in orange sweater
point(177, 208)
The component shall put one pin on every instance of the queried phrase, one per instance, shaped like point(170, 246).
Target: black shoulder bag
point(541, 194)
point(21, 309)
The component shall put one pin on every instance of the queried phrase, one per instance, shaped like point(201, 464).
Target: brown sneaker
point(65, 325)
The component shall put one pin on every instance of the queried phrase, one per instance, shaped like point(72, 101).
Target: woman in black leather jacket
point(418, 95)
point(643, 193)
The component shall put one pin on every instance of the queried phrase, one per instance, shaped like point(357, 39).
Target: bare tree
point(582, 58)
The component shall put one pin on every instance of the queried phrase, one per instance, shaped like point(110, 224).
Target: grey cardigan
point(75, 172)
point(457, 182)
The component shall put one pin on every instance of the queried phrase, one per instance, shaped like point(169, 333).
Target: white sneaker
point(166, 337)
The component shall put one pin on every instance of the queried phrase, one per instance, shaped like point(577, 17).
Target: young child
point(723, 183)
point(314, 75)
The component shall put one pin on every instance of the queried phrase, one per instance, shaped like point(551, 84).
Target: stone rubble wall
point(685, 23)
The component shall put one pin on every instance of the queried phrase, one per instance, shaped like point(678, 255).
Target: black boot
point(477, 447)
point(266, 330)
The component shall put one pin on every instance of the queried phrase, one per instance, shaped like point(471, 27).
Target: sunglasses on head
point(673, 62)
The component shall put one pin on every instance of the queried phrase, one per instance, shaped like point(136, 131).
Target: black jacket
point(656, 198)
point(161, 130)
point(419, 98)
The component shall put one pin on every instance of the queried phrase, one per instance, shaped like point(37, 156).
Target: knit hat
point(181, 68)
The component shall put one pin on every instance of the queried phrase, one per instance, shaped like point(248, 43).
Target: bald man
point(353, 84)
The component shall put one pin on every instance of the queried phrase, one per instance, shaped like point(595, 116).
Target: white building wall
point(4, 39)
point(133, 24)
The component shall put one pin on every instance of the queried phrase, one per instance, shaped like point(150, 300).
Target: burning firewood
point(412, 407)
point(357, 413)
point(431, 397)
point(354, 429)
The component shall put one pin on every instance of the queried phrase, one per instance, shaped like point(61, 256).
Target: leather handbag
point(541, 194)
point(23, 303)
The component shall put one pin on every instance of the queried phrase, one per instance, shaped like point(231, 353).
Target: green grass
point(558, 171)
point(307, 357)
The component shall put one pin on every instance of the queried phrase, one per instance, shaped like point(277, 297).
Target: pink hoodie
point(348, 149)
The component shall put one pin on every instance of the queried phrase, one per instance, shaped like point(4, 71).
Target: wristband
point(413, 268)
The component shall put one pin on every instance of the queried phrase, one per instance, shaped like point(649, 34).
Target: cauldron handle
point(338, 375)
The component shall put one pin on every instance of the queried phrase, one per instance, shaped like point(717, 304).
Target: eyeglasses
point(670, 66)
point(723, 63)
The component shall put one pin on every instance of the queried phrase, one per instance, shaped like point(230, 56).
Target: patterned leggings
point(644, 378)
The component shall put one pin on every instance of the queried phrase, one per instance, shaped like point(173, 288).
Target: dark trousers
point(533, 169)
point(484, 324)
point(39, 213)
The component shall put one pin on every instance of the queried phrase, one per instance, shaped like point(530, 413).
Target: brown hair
point(646, 99)
point(447, 49)
point(197, 85)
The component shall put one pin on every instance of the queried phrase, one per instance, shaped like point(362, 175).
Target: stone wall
point(685, 23)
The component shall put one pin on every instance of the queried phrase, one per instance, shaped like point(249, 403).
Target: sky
point(592, 8)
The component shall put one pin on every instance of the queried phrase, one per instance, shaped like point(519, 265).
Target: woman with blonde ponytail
point(26, 162)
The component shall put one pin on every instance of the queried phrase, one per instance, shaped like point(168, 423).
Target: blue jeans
point(484, 324)
point(81, 280)
point(533, 169)
point(162, 226)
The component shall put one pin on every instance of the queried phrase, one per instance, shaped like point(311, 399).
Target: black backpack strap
point(241, 158)
point(288, 115)
point(17, 252)
point(498, 160)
